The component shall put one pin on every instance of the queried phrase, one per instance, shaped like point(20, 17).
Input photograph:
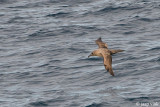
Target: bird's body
point(106, 53)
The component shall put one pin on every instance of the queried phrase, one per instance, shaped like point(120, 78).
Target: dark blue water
point(44, 48)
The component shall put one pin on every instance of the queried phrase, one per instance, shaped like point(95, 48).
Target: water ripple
point(45, 46)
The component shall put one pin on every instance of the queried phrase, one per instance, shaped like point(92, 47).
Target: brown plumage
point(106, 53)
point(101, 44)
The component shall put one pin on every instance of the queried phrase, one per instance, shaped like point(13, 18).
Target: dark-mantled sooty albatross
point(106, 53)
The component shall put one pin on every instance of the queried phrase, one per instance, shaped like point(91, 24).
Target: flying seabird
point(106, 53)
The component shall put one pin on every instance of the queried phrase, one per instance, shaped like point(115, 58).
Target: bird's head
point(92, 54)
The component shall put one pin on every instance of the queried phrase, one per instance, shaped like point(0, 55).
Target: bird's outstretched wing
point(101, 44)
point(108, 63)
point(114, 51)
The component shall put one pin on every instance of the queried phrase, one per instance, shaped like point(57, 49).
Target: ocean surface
point(44, 48)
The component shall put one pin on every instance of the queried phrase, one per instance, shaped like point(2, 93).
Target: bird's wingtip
point(99, 38)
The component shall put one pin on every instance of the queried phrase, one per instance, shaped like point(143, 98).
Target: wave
point(129, 32)
point(113, 8)
point(139, 99)
point(58, 15)
point(17, 19)
point(54, 102)
point(154, 49)
point(30, 5)
point(149, 19)
point(94, 105)
point(7, 1)
point(43, 33)
point(39, 103)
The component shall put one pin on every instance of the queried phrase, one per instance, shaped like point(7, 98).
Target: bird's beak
point(89, 55)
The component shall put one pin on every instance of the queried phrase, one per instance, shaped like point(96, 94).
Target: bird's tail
point(114, 51)
point(111, 71)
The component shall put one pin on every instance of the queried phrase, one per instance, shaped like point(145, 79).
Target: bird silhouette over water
point(106, 53)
